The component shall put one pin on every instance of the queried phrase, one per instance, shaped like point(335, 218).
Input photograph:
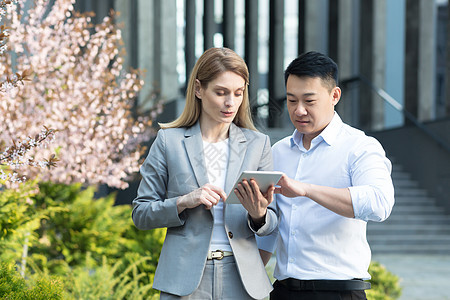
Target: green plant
point(67, 231)
point(82, 229)
point(81, 225)
point(13, 286)
point(385, 285)
point(105, 282)
point(19, 219)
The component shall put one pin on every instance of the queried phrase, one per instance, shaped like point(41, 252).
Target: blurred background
point(393, 55)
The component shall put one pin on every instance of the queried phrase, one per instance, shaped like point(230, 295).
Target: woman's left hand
point(253, 200)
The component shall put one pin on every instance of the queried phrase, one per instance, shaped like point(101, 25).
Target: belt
point(325, 285)
point(218, 254)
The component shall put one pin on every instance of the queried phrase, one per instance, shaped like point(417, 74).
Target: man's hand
point(290, 187)
point(208, 195)
point(337, 200)
point(253, 200)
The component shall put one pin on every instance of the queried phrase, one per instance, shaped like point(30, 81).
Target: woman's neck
point(214, 133)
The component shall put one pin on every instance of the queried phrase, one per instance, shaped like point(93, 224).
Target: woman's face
point(221, 98)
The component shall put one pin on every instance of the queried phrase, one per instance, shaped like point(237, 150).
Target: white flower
point(3, 48)
point(43, 164)
point(7, 87)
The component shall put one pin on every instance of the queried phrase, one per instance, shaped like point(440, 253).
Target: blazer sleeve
point(266, 164)
point(151, 208)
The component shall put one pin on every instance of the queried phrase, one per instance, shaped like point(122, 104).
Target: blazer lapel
point(238, 148)
point(194, 148)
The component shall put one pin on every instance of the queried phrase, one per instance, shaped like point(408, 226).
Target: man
point(335, 180)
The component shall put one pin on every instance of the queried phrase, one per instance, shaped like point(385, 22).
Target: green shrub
point(13, 286)
point(93, 281)
point(82, 225)
point(385, 285)
point(18, 220)
point(83, 229)
point(71, 234)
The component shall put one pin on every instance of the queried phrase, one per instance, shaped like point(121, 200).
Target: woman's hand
point(253, 200)
point(208, 195)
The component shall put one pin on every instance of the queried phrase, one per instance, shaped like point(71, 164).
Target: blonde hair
point(208, 67)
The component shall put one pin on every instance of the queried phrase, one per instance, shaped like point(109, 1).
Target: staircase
point(416, 225)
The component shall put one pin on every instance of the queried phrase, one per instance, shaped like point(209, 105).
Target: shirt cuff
point(357, 195)
point(370, 203)
point(253, 226)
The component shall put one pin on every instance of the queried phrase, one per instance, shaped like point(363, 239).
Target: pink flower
point(79, 87)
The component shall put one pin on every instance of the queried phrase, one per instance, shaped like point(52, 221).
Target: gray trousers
point(220, 281)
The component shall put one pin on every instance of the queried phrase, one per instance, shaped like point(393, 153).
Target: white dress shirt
point(314, 242)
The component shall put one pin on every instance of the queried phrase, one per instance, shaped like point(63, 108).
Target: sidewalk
point(424, 277)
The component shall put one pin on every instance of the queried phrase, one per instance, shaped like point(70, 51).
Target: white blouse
point(216, 159)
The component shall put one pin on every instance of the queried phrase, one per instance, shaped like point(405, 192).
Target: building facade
point(393, 55)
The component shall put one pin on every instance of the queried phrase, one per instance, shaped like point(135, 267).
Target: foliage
point(15, 209)
point(81, 225)
point(106, 281)
point(13, 286)
point(385, 285)
point(18, 220)
point(78, 86)
point(83, 235)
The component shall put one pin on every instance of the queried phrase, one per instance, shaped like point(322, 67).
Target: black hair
point(314, 64)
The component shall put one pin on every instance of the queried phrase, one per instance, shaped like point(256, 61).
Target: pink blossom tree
point(78, 87)
point(18, 153)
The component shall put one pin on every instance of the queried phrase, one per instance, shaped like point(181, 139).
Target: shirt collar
point(329, 134)
point(296, 138)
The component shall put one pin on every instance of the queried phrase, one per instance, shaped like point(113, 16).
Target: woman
point(210, 250)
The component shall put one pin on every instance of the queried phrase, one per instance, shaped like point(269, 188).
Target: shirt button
point(291, 260)
point(230, 234)
point(293, 232)
point(294, 207)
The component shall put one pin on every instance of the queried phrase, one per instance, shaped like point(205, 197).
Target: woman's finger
point(217, 191)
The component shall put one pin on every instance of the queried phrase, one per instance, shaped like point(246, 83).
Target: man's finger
point(269, 194)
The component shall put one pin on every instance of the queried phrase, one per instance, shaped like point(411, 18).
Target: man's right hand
point(290, 188)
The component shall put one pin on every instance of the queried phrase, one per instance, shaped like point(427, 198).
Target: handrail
point(399, 107)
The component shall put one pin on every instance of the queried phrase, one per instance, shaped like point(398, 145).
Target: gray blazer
point(174, 167)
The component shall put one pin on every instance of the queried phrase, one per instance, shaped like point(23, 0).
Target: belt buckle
point(221, 255)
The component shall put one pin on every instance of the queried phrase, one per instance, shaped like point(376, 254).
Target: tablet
point(264, 179)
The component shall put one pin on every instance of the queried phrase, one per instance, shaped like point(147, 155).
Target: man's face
point(310, 104)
